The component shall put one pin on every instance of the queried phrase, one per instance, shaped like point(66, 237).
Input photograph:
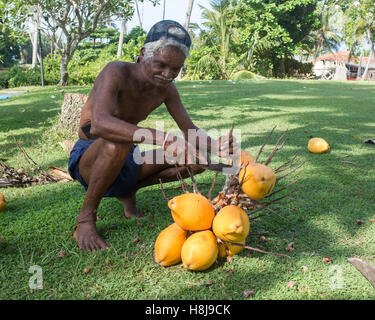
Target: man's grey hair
point(152, 47)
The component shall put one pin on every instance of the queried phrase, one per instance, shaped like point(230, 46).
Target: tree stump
point(71, 111)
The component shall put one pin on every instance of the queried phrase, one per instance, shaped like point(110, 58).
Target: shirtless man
point(123, 95)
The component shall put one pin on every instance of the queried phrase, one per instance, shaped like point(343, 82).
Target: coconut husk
point(12, 177)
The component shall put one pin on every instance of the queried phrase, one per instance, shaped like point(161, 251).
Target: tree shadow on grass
point(39, 221)
point(40, 228)
point(29, 116)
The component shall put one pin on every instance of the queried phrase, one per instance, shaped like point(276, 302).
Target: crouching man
point(124, 94)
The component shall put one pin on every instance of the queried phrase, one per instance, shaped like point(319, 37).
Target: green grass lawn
point(38, 222)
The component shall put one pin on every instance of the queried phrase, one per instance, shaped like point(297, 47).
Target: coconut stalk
point(251, 248)
point(233, 194)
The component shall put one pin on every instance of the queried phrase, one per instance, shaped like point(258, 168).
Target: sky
point(174, 10)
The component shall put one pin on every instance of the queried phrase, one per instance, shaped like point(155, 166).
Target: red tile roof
point(342, 56)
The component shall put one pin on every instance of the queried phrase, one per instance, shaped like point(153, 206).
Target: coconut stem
point(283, 188)
point(195, 187)
point(287, 164)
point(277, 148)
point(259, 250)
point(264, 143)
point(182, 182)
point(163, 191)
point(291, 171)
point(209, 196)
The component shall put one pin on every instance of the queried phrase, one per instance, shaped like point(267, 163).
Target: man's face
point(165, 66)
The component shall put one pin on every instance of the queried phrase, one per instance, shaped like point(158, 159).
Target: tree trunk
point(64, 71)
point(36, 23)
point(282, 68)
point(186, 25)
point(359, 72)
point(35, 48)
point(318, 47)
point(139, 16)
point(121, 39)
point(364, 76)
point(71, 111)
point(372, 54)
point(188, 14)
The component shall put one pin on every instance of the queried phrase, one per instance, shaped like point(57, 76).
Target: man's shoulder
point(118, 68)
point(172, 89)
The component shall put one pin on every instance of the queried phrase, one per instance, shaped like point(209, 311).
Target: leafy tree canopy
point(271, 29)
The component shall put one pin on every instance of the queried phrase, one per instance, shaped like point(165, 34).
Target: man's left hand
point(228, 147)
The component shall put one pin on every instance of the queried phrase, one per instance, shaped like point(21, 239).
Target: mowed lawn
point(331, 217)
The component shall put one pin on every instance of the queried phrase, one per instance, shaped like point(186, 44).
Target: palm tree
point(220, 29)
point(326, 36)
point(360, 25)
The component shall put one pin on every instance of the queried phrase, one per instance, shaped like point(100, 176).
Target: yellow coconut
point(231, 223)
point(230, 249)
point(168, 245)
point(246, 158)
point(3, 203)
point(317, 145)
point(259, 180)
point(192, 211)
point(199, 251)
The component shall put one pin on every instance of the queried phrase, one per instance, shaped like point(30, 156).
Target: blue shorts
point(126, 180)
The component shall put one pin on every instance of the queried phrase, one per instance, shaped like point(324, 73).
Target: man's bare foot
point(130, 208)
point(134, 214)
point(88, 238)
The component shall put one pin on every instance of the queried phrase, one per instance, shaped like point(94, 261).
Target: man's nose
point(168, 73)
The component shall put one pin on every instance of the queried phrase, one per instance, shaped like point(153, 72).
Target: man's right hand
point(179, 151)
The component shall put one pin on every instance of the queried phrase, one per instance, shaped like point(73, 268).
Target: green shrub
point(4, 79)
point(86, 71)
point(243, 75)
point(51, 69)
point(83, 70)
point(17, 77)
point(132, 49)
point(201, 65)
point(24, 76)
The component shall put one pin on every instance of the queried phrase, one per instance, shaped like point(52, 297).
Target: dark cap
point(161, 30)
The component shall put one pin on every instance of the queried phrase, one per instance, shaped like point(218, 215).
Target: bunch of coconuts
point(203, 232)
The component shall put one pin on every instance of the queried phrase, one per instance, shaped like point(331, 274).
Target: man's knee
point(114, 150)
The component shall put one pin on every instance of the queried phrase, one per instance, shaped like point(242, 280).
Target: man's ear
point(141, 57)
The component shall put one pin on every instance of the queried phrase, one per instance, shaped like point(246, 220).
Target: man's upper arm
point(105, 93)
point(177, 110)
